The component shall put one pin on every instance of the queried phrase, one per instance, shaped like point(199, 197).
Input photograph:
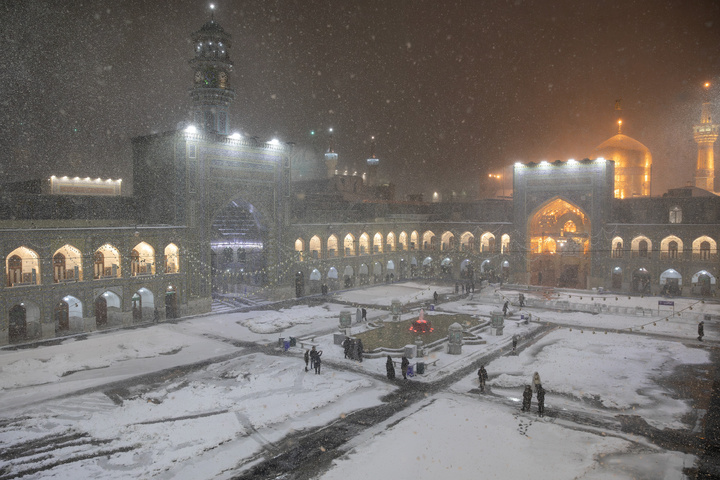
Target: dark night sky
point(451, 89)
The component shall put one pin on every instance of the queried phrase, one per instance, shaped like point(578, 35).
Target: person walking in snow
point(482, 377)
point(435, 297)
point(318, 362)
point(307, 359)
point(313, 356)
point(536, 381)
point(505, 308)
point(390, 368)
point(514, 340)
point(359, 351)
point(527, 398)
point(701, 330)
point(346, 346)
point(364, 315)
point(404, 364)
point(541, 400)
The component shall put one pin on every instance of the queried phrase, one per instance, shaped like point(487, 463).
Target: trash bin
point(420, 368)
point(293, 341)
point(410, 371)
point(432, 307)
point(286, 345)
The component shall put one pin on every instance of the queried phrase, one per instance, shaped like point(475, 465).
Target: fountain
point(421, 325)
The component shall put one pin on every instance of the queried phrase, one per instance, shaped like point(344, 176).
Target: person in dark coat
point(364, 315)
point(404, 364)
point(346, 346)
point(514, 338)
point(521, 300)
point(307, 359)
point(313, 356)
point(390, 368)
point(527, 398)
point(435, 297)
point(505, 308)
point(359, 351)
point(318, 362)
point(541, 400)
point(482, 377)
point(701, 330)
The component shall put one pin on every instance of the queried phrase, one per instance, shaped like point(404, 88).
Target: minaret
point(372, 164)
point(331, 157)
point(705, 135)
point(211, 93)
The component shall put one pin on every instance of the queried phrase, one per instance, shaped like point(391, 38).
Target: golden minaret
point(705, 135)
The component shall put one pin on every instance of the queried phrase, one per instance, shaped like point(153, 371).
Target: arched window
point(364, 244)
point(467, 242)
point(142, 259)
point(448, 242)
point(429, 240)
point(23, 267)
point(670, 247)
point(107, 264)
point(172, 259)
point(332, 246)
point(676, 215)
point(59, 267)
point(704, 248)
point(505, 244)
point(390, 242)
point(487, 242)
point(403, 241)
point(640, 247)
point(349, 245)
point(378, 243)
point(300, 250)
point(617, 247)
point(67, 264)
point(315, 247)
point(414, 245)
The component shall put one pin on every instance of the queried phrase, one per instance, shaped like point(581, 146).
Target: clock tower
point(211, 93)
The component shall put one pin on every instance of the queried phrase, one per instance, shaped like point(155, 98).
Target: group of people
point(390, 367)
point(312, 357)
point(528, 394)
point(466, 288)
point(353, 348)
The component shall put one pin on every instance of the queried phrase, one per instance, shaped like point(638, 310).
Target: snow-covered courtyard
point(215, 396)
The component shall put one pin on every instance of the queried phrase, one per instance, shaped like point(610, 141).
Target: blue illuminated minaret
point(211, 93)
point(331, 158)
point(372, 164)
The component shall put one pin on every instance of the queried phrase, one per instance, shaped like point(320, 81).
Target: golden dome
point(632, 165)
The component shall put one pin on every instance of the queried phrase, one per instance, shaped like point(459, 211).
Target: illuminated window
point(676, 215)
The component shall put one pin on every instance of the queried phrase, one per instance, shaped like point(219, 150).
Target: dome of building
point(632, 165)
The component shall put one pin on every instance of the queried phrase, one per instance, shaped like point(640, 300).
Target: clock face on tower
point(210, 78)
